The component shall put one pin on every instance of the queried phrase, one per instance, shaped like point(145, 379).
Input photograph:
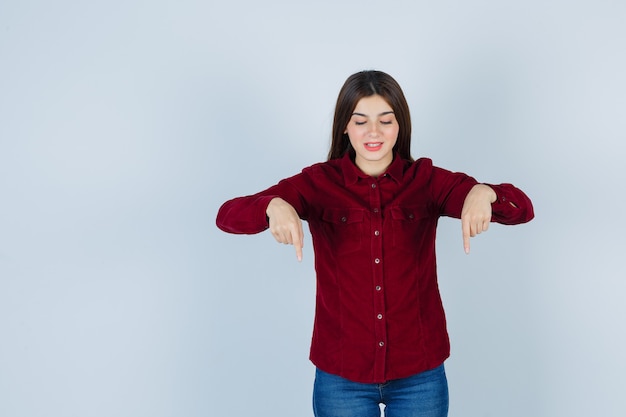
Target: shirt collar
point(351, 173)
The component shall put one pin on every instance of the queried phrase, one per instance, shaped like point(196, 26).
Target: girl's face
point(373, 132)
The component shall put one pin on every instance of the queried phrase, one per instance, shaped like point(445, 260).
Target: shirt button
point(378, 288)
point(344, 219)
point(381, 344)
point(379, 317)
point(375, 210)
point(376, 233)
point(373, 185)
point(376, 261)
point(411, 216)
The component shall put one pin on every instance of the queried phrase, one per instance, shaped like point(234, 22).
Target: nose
point(373, 130)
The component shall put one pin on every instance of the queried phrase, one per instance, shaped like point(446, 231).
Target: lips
point(373, 146)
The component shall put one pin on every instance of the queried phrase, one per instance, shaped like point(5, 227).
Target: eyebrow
point(364, 115)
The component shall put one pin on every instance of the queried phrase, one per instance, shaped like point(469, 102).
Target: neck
point(373, 168)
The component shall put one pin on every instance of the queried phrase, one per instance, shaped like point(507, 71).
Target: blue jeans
point(421, 395)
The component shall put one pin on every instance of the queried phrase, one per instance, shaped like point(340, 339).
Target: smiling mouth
point(373, 146)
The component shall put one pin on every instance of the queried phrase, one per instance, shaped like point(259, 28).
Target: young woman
point(380, 333)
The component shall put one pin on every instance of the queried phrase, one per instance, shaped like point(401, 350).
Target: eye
point(386, 122)
point(359, 123)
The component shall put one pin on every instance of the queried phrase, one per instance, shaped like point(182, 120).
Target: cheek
point(354, 131)
point(393, 139)
point(392, 133)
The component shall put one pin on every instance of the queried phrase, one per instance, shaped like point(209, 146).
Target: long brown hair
point(365, 84)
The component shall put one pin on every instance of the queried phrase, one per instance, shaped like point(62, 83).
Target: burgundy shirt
point(378, 312)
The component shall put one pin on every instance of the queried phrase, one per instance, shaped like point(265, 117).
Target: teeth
point(373, 145)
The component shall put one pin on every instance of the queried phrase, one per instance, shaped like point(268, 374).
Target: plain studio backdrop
point(124, 125)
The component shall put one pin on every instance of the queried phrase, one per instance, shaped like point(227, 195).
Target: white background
point(125, 124)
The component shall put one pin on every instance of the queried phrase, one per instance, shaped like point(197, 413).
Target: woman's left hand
point(476, 212)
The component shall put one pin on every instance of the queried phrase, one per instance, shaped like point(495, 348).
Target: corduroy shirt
point(378, 313)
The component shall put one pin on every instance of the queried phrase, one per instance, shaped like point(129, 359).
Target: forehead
point(372, 105)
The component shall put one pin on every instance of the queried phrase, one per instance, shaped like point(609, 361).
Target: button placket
point(378, 313)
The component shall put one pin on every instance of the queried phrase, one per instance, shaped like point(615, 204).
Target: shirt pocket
point(344, 229)
point(409, 224)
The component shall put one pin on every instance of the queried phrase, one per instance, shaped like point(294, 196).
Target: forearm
point(248, 215)
point(244, 215)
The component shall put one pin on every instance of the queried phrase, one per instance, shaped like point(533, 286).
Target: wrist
point(493, 196)
point(489, 192)
point(271, 205)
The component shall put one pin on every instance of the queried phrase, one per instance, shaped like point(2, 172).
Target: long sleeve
point(512, 206)
point(247, 215)
point(449, 189)
point(244, 215)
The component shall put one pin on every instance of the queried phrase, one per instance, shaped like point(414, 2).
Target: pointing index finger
point(298, 246)
point(299, 241)
point(465, 225)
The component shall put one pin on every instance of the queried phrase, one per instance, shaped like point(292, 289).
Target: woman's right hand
point(285, 224)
